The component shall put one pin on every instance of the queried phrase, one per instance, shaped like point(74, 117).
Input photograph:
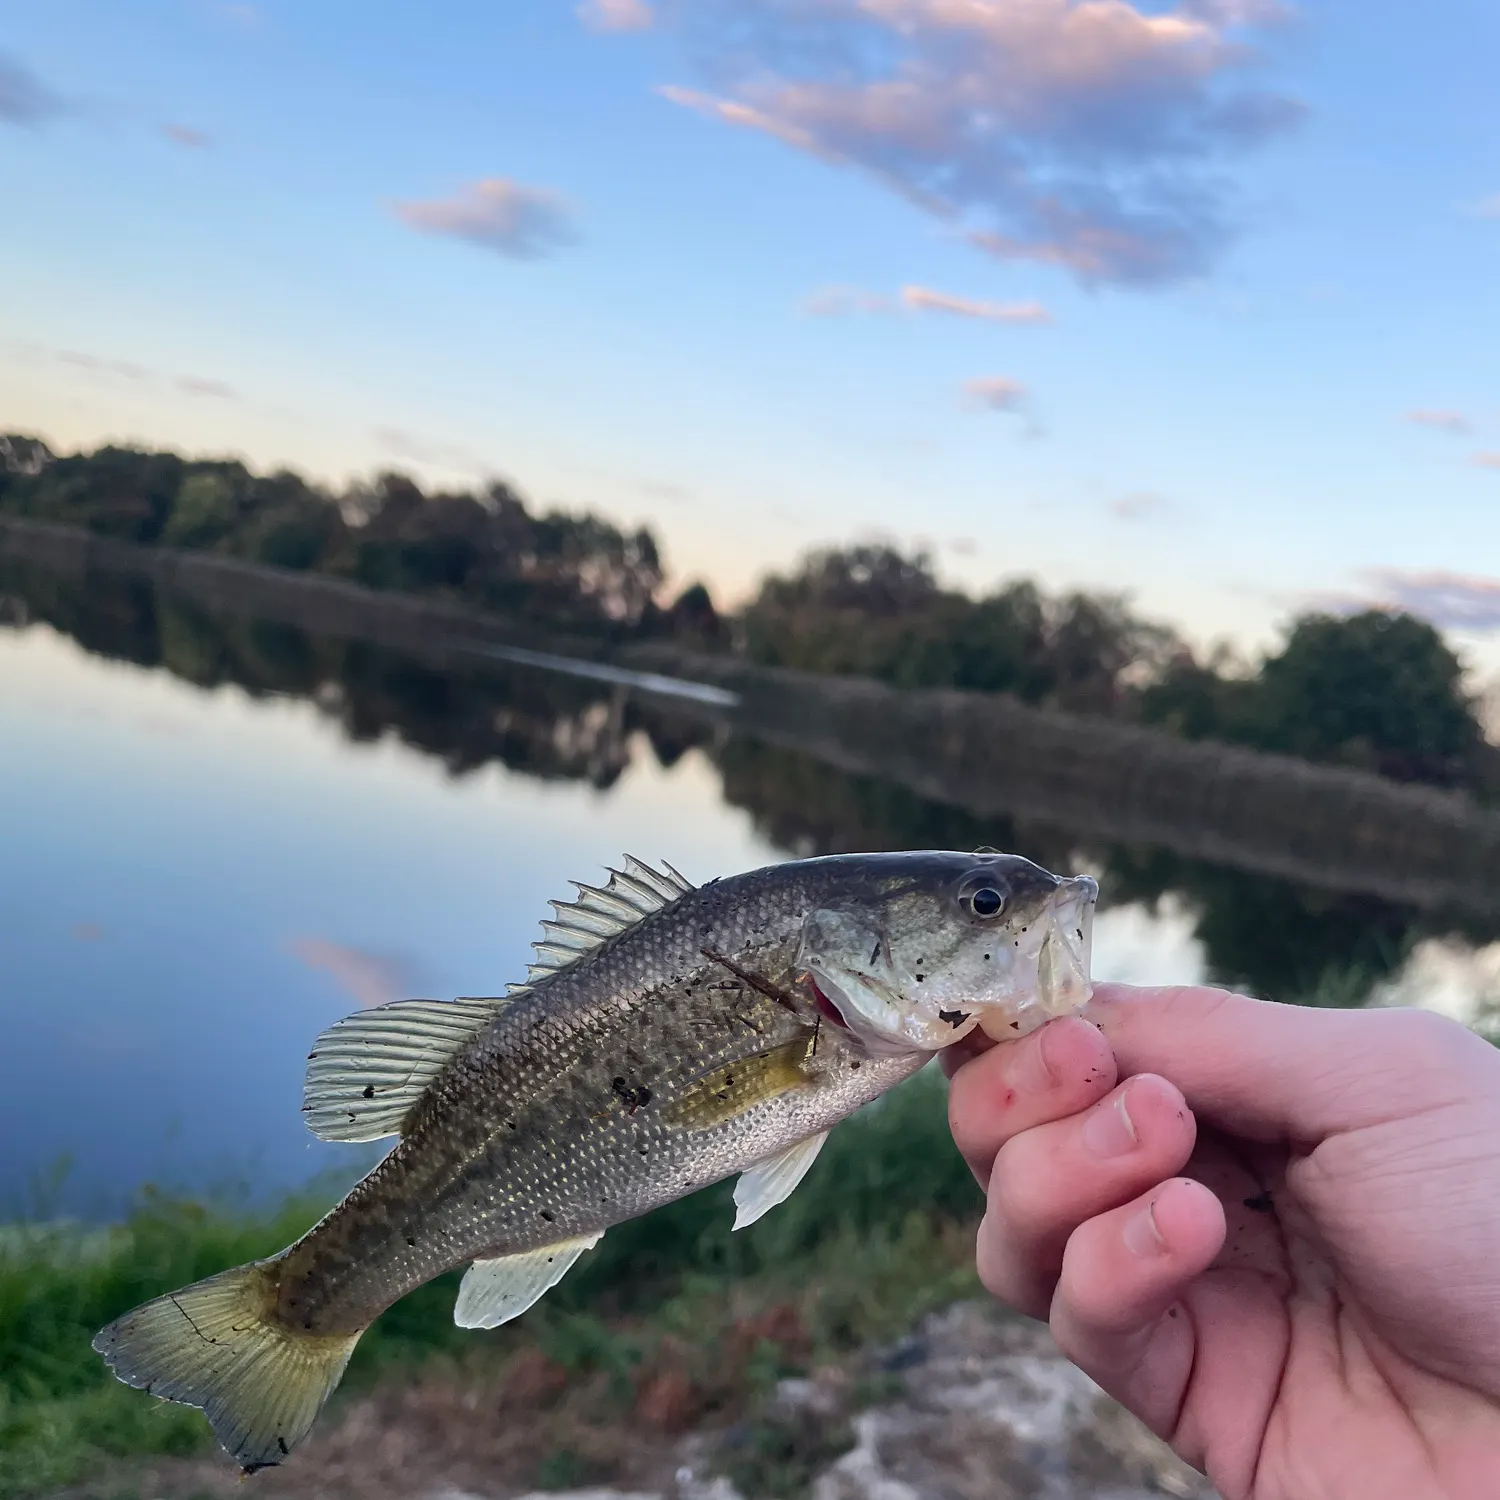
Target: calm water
point(196, 879)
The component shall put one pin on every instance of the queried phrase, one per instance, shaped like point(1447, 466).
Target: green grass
point(859, 1250)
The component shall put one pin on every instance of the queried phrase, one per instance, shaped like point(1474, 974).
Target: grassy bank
point(672, 1316)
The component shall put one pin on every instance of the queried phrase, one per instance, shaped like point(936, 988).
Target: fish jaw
point(1062, 986)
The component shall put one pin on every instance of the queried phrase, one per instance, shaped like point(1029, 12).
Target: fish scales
point(531, 1137)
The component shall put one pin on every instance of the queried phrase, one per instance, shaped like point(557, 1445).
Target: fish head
point(935, 944)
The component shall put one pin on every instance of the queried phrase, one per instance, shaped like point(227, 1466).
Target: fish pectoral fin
point(366, 1072)
point(774, 1180)
point(495, 1291)
point(729, 1091)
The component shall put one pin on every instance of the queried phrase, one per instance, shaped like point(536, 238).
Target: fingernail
point(1034, 1070)
point(1142, 1237)
point(1109, 1130)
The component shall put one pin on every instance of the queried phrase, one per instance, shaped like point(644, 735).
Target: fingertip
point(1189, 1222)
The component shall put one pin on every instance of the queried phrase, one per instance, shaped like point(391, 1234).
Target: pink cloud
point(616, 15)
point(995, 392)
point(1440, 421)
point(497, 214)
point(924, 299)
point(185, 135)
point(1074, 133)
point(1137, 505)
point(1487, 460)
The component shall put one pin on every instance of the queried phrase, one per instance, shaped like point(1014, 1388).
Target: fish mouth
point(826, 1007)
point(1063, 983)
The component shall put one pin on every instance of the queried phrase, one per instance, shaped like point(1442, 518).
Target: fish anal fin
point(728, 1092)
point(774, 1180)
point(495, 1291)
point(366, 1072)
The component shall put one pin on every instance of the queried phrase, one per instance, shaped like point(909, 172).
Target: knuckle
point(1021, 1197)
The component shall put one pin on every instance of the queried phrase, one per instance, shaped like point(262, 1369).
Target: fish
point(668, 1036)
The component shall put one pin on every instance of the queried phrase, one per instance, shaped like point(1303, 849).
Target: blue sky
point(1198, 302)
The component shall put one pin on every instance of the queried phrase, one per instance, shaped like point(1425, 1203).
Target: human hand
point(1312, 1310)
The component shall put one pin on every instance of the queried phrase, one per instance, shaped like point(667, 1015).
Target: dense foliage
point(1378, 691)
point(568, 572)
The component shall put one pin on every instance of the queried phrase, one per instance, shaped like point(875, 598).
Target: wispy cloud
point(107, 369)
point(1454, 422)
point(240, 14)
point(24, 98)
point(185, 135)
point(924, 299)
point(1085, 134)
point(1487, 460)
point(995, 393)
point(616, 15)
point(1451, 601)
point(1487, 207)
point(367, 978)
point(400, 443)
point(497, 214)
point(840, 301)
point(126, 369)
point(1138, 504)
point(197, 385)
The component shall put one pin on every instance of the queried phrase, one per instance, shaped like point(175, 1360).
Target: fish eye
point(984, 901)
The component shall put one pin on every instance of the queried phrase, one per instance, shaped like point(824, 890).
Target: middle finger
point(1049, 1180)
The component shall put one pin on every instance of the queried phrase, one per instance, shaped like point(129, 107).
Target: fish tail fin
point(218, 1345)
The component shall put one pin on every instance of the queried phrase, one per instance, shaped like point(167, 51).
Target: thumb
point(1273, 1072)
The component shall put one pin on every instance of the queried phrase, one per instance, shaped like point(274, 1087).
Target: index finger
point(1273, 1072)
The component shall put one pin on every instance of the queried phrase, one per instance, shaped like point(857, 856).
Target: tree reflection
point(1275, 938)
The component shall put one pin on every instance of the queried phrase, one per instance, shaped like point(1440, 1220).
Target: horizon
point(1192, 304)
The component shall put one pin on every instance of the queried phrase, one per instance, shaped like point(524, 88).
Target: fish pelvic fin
point(495, 1291)
point(218, 1345)
point(774, 1180)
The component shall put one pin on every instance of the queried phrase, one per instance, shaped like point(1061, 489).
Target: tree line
point(1377, 690)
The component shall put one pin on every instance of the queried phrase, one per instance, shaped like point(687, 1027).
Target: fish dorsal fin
point(774, 1180)
point(600, 913)
point(366, 1072)
point(495, 1291)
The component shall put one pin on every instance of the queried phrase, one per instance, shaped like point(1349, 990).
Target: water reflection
point(1273, 937)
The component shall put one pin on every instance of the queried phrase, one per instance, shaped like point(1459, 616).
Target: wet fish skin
point(694, 1045)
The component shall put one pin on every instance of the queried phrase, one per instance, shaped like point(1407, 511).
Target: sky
point(1200, 303)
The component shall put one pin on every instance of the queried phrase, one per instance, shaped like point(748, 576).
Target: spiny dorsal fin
point(366, 1072)
point(600, 912)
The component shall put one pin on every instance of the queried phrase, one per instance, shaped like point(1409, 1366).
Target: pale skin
point(1272, 1233)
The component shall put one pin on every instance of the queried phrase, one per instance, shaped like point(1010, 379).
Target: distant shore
point(987, 753)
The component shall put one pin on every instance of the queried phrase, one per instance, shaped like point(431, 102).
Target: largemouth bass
point(666, 1038)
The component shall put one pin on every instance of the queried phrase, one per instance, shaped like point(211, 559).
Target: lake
point(218, 837)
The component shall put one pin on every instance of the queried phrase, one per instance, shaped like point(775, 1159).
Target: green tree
point(1378, 690)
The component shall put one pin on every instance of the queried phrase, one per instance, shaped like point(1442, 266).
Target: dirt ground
point(973, 1405)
